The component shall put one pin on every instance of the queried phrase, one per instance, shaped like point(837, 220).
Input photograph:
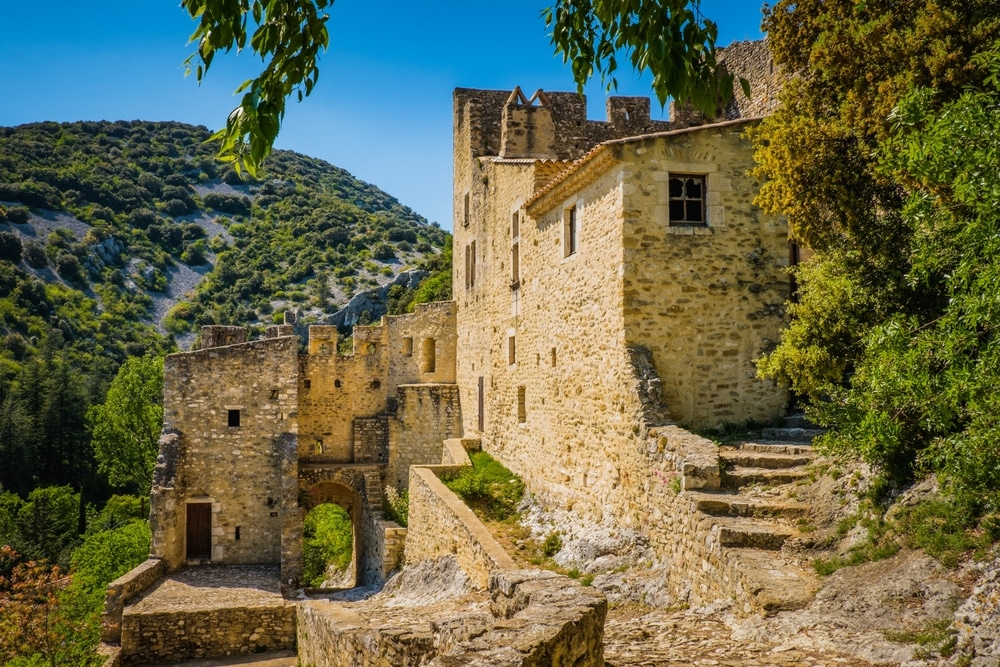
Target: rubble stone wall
point(187, 635)
point(426, 416)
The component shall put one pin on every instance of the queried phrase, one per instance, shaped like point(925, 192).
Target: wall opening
point(407, 347)
point(465, 210)
point(234, 418)
point(428, 361)
point(199, 531)
point(328, 548)
point(511, 351)
point(687, 199)
point(482, 405)
point(331, 540)
point(522, 412)
point(570, 231)
point(553, 357)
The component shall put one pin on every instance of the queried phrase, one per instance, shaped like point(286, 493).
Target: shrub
point(328, 541)
point(397, 505)
point(18, 214)
point(489, 488)
point(10, 247)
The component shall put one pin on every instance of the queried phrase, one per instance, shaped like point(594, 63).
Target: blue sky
point(381, 110)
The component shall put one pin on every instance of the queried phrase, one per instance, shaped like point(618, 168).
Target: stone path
point(209, 587)
point(272, 659)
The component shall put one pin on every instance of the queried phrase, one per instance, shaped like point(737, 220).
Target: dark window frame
point(687, 201)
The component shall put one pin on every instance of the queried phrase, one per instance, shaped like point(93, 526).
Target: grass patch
point(491, 490)
point(938, 637)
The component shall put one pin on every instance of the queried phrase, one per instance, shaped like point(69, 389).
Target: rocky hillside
point(123, 238)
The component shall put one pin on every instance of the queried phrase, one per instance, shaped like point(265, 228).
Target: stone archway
point(358, 490)
point(335, 493)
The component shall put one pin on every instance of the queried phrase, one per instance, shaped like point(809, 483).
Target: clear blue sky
point(382, 109)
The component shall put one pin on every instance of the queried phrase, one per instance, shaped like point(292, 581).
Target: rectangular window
point(470, 265)
point(511, 351)
point(687, 199)
point(522, 412)
point(570, 231)
point(515, 225)
point(465, 213)
point(234, 418)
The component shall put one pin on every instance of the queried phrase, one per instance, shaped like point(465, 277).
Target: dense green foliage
point(488, 487)
point(884, 157)
point(126, 427)
point(327, 543)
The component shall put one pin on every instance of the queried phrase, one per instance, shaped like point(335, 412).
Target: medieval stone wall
point(706, 301)
point(426, 416)
point(234, 408)
point(752, 61)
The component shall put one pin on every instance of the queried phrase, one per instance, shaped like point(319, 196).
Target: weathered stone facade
point(256, 433)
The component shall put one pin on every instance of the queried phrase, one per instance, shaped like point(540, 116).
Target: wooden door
point(199, 531)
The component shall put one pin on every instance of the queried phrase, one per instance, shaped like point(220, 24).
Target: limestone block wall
point(186, 634)
point(752, 61)
point(233, 409)
point(426, 416)
point(705, 301)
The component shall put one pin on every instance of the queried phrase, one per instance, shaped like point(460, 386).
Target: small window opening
point(515, 225)
point(318, 449)
point(336, 383)
point(522, 413)
point(237, 532)
point(274, 393)
point(407, 347)
point(375, 384)
point(515, 266)
point(687, 199)
point(307, 384)
point(465, 213)
point(511, 351)
point(570, 231)
point(372, 349)
point(427, 355)
point(234, 418)
point(553, 357)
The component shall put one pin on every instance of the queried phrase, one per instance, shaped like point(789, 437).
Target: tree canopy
point(126, 427)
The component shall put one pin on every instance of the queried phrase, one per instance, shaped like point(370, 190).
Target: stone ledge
point(123, 589)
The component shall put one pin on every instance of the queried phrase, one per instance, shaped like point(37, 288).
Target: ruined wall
point(426, 416)
point(706, 301)
point(335, 389)
point(242, 470)
point(752, 61)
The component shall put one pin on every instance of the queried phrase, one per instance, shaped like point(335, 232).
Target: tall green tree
point(126, 427)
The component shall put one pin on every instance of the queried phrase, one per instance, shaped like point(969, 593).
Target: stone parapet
point(442, 525)
point(123, 589)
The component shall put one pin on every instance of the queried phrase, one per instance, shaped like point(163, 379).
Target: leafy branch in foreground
point(288, 37)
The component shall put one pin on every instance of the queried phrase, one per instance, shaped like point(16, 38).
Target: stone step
point(740, 477)
point(790, 433)
point(774, 584)
point(727, 504)
point(798, 421)
point(764, 459)
point(753, 534)
point(794, 448)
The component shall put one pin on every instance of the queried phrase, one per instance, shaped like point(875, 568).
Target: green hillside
point(121, 238)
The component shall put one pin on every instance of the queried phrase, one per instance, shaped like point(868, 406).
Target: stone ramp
point(208, 612)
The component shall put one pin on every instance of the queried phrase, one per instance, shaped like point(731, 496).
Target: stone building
point(256, 432)
point(609, 276)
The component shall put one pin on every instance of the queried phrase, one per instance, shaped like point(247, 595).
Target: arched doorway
point(331, 536)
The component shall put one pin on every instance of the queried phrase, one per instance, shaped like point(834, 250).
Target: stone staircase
point(753, 517)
